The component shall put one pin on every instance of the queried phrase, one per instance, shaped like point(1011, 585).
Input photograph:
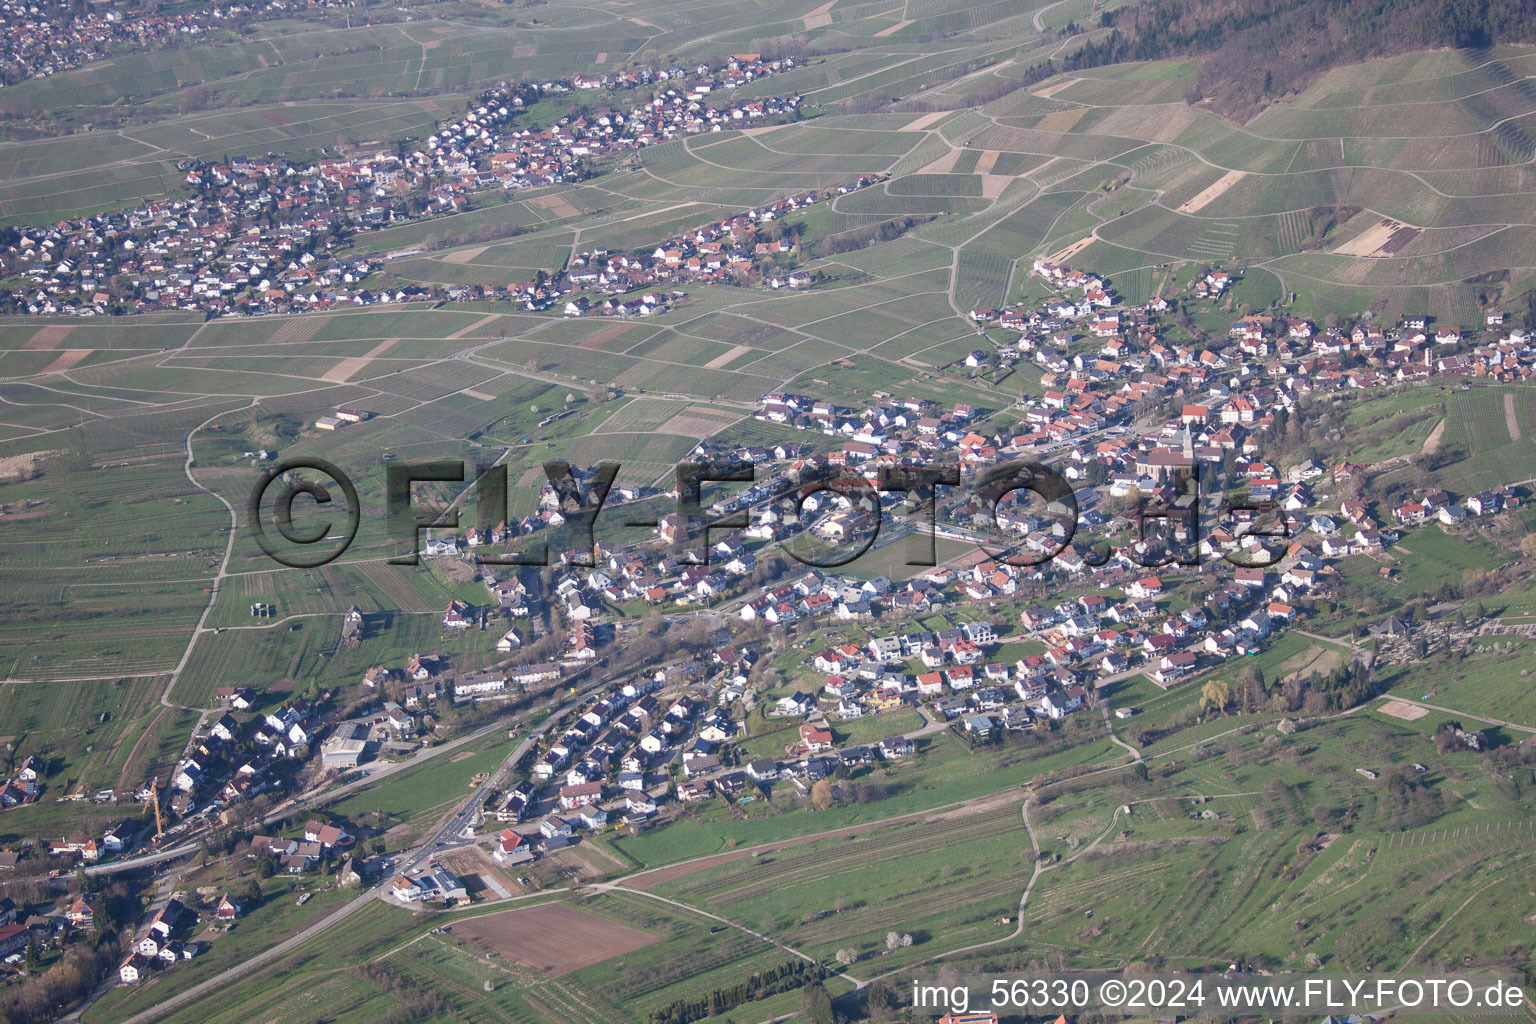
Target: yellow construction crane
point(154, 801)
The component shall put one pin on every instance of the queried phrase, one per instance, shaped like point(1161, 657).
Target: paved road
point(162, 897)
point(449, 835)
point(1110, 728)
point(267, 955)
point(446, 837)
point(931, 725)
point(377, 771)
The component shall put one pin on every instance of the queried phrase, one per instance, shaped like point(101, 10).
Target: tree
point(1215, 696)
point(881, 1001)
point(817, 1004)
point(848, 956)
point(821, 795)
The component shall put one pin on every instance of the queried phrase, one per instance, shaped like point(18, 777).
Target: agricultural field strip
point(1198, 156)
point(738, 308)
point(1269, 262)
point(1495, 228)
point(171, 356)
point(787, 871)
point(159, 153)
point(1116, 767)
point(1101, 768)
point(886, 69)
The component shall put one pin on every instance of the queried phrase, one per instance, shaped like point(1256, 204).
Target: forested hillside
point(1256, 51)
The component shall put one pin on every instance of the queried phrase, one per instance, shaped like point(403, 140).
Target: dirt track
point(1432, 442)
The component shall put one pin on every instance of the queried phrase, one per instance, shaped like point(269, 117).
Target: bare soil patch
point(819, 18)
point(475, 861)
point(133, 755)
point(1062, 255)
point(1384, 239)
point(602, 338)
point(556, 204)
point(992, 185)
point(474, 327)
point(699, 422)
point(1432, 442)
point(921, 123)
point(552, 939)
point(1316, 660)
point(19, 467)
point(72, 356)
point(1401, 709)
point(740, 350)
point(47, 337)
point(1510, 422)
point(1061, 120)
point(944, 164)
point(1210, 193)
point(344, 369)
point(1052, 90)
point(464, 255)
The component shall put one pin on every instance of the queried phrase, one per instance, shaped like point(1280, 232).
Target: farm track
point(122, 778)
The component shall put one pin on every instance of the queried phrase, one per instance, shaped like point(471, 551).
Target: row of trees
point(790, 975)
point(1315, 693)
point(870, 234)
